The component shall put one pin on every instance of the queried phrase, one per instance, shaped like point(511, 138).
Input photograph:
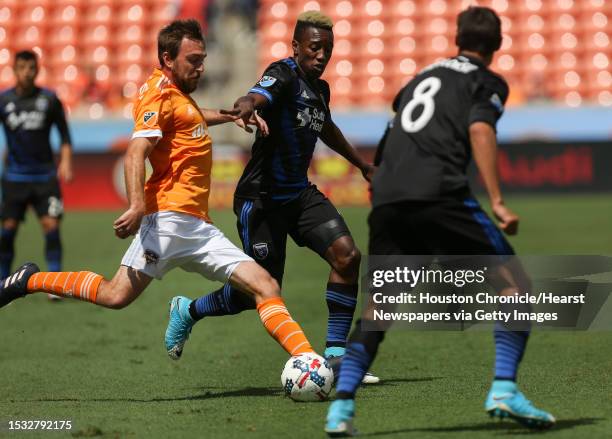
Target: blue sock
point(225, 301)
point(341, 302)
point(509, 349)
point(53, 250)
point(7, 251)
point(355, 364)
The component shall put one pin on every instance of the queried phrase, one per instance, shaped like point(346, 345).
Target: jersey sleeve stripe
point(262, 92)
point(147, 133)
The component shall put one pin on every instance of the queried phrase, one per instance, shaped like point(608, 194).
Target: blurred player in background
point(30, 175)
point(274, 198)
point(169, 214)
point(422, 204)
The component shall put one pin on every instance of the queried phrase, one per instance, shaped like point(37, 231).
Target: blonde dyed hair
point(316, 19)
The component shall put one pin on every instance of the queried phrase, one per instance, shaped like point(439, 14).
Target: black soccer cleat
point(15, 286)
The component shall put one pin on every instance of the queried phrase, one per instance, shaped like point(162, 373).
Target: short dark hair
point(26, 55)
point(170, 37)
point(479, 29)
point(311, 19)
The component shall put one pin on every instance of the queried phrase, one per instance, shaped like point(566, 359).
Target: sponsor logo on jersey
point(497, 102)
point(199, 131)
point(312, 118)
point(10, 107)
point(149, 118)
point(260, 250)
point(267, 81)
point(305, 95)
point(28, 120)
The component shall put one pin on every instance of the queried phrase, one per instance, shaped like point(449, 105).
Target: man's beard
point(182, 85)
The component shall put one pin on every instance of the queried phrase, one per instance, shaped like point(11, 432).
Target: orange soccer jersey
point(182, 158)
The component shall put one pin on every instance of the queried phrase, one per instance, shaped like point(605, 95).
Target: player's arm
point(218, 117)
point(64, 167)
point(333, 137)
point(484, 150)
point(267, 90)
point(138, 150)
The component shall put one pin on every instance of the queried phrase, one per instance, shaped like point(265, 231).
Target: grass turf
point(108, 372)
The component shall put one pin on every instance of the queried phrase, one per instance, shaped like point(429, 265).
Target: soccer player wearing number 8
point(422, 203)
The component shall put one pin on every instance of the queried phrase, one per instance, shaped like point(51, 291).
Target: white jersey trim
point(147, 133)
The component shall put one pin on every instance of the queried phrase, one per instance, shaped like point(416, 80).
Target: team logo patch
point(151, 257)
point(149, 118)
point(41, 104)
point(260, 250)
point(267, 81)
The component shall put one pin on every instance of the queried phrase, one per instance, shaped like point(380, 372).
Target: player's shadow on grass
point(248, 391)
point(394, 381)
point(208, 394)
point(506, 427)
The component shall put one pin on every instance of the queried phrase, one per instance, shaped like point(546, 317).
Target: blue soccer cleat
point(16, 285)
point(179, 326)
point(334, 354)
point(340, 418)
point(506, 401)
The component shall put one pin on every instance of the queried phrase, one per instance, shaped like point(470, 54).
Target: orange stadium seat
point(66, 12)
point(161, 13)
point(27, 37)
point(99, 12)
point(129, 12)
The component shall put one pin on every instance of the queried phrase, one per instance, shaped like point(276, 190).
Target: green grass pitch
point(107, 371)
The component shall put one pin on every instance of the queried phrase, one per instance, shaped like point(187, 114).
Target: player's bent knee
point(123, 289)
point(251, 278)
point(265, 286)
point(114, 296)
point(347, 259)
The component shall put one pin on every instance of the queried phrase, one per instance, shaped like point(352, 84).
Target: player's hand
point(255, 120)
point(64, 170)
point(245, 108)
point(368, 171)
point(508, 220)
point(128, 223)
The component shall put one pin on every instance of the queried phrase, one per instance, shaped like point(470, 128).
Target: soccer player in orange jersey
point(169, 214)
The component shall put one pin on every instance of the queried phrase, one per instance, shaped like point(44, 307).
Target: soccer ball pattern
point(307, 377)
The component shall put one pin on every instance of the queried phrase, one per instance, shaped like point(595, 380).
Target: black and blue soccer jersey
point(296, 111)
point(27, 124)
point(425, 153)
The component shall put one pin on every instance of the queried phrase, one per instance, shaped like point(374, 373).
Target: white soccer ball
point(307, 377)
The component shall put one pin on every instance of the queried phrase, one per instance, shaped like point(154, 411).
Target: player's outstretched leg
point(185, 313)
point(16, 284)
point(257, 282)
point(251, 278)
point(117, 293)
point(504, 399)
point(341, 295)
point(360, 353)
